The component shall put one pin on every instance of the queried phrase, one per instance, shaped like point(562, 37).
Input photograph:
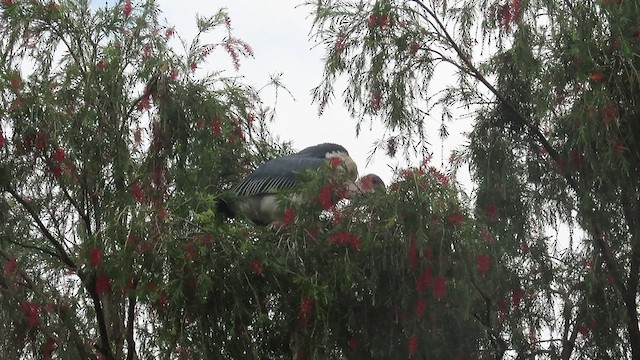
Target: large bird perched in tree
point(256, 195)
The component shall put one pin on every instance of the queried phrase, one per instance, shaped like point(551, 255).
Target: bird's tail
point(224, 210)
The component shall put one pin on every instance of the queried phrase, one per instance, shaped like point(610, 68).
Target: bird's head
point(367, 184)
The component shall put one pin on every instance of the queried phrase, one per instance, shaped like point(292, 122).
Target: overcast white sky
point(278, 31)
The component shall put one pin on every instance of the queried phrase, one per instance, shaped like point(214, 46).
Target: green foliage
point(552, 87)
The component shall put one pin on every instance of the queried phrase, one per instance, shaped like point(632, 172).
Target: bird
point(256, 195)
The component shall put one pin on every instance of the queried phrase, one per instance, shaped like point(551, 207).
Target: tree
point(553, 90)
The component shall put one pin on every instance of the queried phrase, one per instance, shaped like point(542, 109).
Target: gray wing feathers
point(277, 174)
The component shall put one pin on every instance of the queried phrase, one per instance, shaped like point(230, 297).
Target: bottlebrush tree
point(552, 88)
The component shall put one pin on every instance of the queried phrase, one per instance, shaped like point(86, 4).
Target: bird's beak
point(362, 186)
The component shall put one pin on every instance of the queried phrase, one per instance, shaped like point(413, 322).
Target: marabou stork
point(256, 195)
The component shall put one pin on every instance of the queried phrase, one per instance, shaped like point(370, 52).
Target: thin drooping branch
point(66, 259)
point(583, 196)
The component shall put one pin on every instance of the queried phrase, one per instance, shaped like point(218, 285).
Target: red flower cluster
point(425, 279)
point(376, 100)
point(306, 308)
point(510, 13)
point(95, 256)
point(335, 162)
point(256, 267)
point(325, 197)
point(516, 297)
point(440, 177)
point(101, 65)
point(456, 218)
point(288, 217)
point(483, 262)
point(32, 311)
point(136, 191)
point(382, 21)
point(103, 283)
point(597, 76)
point(10, 267)
point(420, 307)
point(412, 345)
point(618, 147)
point(216, 126)
point(127, 8)
point(58, 155)
point(609, 114)
point(492, 212)
point(439, 287)
point(343, 237)
point(144, 103)
point(1, 139)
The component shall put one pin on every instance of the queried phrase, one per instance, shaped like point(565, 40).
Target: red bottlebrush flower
point(256, 267)
point(421, 307)
point(502, 309)
point(505, 12)
point(103, 283)
point(384, 21)
point(486, 236)
point(216, 126)
point(618, 147)
point(353, 343)
point(7, 2)
point(58, 155)
point(1, 139)
point(101, 65)
point(127, 8)
point(41, 141)
point(137, 135)
point(482, 261)
point(491, 211)
point(16, 84)
point(376, 100)
point(146, 52)
point(193, 66)
point(609, 114)
point(47, 348)
point(439, 287)
point(288, 217)
point(412, 345)
point(174, 74)
point(413, 48)
point(440, 177)
point(516, 9)
point(163, 213)
point(235, 58)
point(372, 21)
point(582, 330)
point(597, 76)
point(524, 247)
point(56, 170)
point(144, 103)
point(335, 162)
point(32, 311)
point(95, 256)
point(413, 252)
point(190, 250)
point(325, 196)
point(306, 308)
point(339, 238)
point(168, 33)
point(136, 191)
point(516, 297)
point(163, 302)
point(456, 218)
point(10, 267)
point(340, 43)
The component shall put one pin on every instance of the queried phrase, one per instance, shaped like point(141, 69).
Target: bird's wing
point(277, 174)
